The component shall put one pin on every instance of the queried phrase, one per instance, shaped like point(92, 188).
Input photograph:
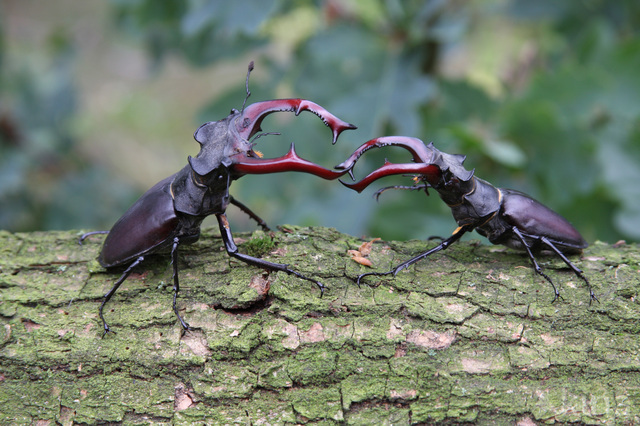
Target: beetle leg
point(534, 262)
point(573, 267)
point(250, 213)
point(549, 244)
point(232, 249)
point(249, 122)
point(291, 162)
point(176, 282)
point(88, 234)
point(459, 232)
point(115, 287)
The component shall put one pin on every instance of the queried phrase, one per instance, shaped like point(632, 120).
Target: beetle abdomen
point(534, 218)
point(149, 223)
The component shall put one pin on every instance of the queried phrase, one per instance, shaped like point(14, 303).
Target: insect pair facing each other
point(171, 212)
point(504, 216)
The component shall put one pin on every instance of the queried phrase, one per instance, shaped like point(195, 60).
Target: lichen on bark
point(469, 334)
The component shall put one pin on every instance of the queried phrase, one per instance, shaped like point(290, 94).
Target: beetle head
point(219, 143)
point(220, 140)
point(228, 142)
point(451, 163)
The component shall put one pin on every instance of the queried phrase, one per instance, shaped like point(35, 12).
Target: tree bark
point(467, 335)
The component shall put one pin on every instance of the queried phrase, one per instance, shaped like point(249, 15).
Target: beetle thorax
point(476, 204)
point(452, 189)
point(198, 195)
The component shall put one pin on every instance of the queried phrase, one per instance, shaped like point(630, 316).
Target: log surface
point(468, 335)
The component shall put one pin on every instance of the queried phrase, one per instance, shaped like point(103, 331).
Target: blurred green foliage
point(541, 96)
point(45, 181)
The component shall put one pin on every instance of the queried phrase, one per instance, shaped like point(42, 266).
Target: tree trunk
point(467, 335)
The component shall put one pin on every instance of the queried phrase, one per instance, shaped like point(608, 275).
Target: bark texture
point(468, 335)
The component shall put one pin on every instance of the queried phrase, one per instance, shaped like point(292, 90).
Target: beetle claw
point(248, 124)
point(420, 152)
point(431, 171)
point(422, 156)
point(251, 118)
point(290, 162)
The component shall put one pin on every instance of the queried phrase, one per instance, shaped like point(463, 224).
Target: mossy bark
point(469, 335)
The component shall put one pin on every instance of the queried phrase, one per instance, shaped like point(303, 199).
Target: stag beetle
point(504, 216)
point(171, 212)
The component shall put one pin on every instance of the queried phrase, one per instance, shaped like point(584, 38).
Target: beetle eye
point(451, 183)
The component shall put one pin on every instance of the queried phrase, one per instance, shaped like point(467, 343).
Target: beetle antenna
point(266, 134)
point(246, 85)
point(377, 194)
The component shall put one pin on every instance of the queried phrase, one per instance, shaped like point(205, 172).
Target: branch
point(469, 334)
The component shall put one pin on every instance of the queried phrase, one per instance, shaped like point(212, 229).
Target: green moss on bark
point(467, 335)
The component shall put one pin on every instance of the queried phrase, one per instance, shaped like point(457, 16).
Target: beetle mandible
point(504, 216)
point(171, 212)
